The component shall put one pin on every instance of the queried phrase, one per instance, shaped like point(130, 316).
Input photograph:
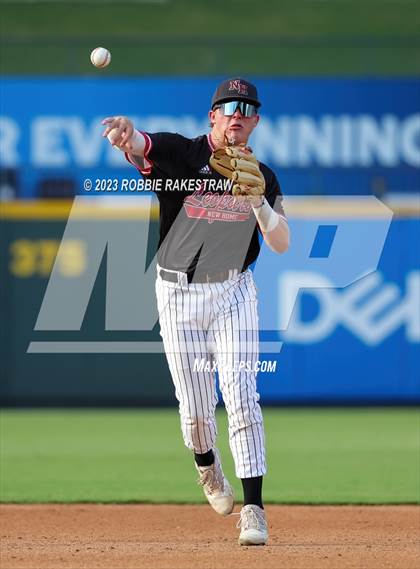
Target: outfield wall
point(332, 343)
point(321, 136)
point(339, 342)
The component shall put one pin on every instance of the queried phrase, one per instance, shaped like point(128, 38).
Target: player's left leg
point(237, 350)
point(236, 337)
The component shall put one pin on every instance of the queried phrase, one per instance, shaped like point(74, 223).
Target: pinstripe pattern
point(215, 320)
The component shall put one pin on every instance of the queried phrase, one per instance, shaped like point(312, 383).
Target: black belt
point(200, 277)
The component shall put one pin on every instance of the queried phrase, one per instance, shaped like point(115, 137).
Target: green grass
point(315, 456)
point(220, 37)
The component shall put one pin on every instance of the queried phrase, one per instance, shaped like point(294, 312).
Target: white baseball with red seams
point(100, 57)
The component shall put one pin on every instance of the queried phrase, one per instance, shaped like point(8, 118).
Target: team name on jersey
point(216, 207)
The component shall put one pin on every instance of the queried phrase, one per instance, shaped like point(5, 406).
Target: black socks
point(253, 491)
point(205, 459)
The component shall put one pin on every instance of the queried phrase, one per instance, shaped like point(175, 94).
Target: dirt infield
point(171, 537)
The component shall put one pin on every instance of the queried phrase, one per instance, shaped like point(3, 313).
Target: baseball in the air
point(100, 57)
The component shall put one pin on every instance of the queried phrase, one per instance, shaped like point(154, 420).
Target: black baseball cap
point(236, 89)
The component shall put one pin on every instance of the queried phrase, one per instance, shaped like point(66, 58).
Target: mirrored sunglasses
point(246, 109)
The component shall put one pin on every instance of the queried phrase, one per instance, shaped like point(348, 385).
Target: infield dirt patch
point(171, 537)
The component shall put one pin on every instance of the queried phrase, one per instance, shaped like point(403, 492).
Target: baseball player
point(215, 201)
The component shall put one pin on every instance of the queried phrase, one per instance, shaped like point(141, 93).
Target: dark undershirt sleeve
point(163, 153)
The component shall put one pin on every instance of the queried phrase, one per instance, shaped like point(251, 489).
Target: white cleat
point(253, 526)
point(215, 486)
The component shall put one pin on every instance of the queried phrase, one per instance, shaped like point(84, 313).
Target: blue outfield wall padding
point(321, 136)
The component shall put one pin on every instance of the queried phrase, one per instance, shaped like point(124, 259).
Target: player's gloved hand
point(240, 165)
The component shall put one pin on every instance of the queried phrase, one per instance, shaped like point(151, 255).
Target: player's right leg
point(183, 318)
point(185, 348)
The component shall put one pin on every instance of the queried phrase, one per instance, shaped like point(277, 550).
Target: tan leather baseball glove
point(240, 165)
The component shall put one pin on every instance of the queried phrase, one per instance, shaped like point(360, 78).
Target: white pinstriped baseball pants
point(215, 321)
